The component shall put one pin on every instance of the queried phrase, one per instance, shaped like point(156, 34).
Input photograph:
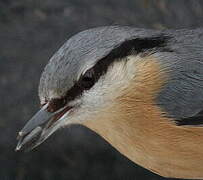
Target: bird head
point(134, 87)
point(92, 80)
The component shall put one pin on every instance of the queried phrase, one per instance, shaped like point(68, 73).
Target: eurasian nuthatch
point(141, 90)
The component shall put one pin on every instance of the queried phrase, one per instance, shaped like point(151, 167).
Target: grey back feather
point(182, 96)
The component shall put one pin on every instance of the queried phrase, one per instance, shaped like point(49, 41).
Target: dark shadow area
point(30, 33)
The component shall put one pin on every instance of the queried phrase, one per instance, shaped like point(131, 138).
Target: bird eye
point(88, 79)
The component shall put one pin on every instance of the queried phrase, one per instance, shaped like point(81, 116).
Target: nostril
point(56, 104)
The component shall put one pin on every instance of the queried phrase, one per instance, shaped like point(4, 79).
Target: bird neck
point(132, 130)
point(130, 123)
point(137, 127)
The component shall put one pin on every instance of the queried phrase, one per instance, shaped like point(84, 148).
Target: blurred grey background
point(30, 32)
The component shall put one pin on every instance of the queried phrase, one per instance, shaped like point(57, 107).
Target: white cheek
point(111, 85)
point(105, 91)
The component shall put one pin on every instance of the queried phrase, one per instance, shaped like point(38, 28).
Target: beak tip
point(18, 147)
point(19, 138)
point(20, 133)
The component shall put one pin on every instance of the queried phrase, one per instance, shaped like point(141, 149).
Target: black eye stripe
point(118, 53)
point(128, 47)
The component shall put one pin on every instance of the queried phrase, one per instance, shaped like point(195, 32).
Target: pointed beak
point(39, 127)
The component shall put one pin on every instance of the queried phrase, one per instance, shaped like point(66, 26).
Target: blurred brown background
point(30, 32)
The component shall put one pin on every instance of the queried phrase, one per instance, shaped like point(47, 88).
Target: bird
point(139, 89)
